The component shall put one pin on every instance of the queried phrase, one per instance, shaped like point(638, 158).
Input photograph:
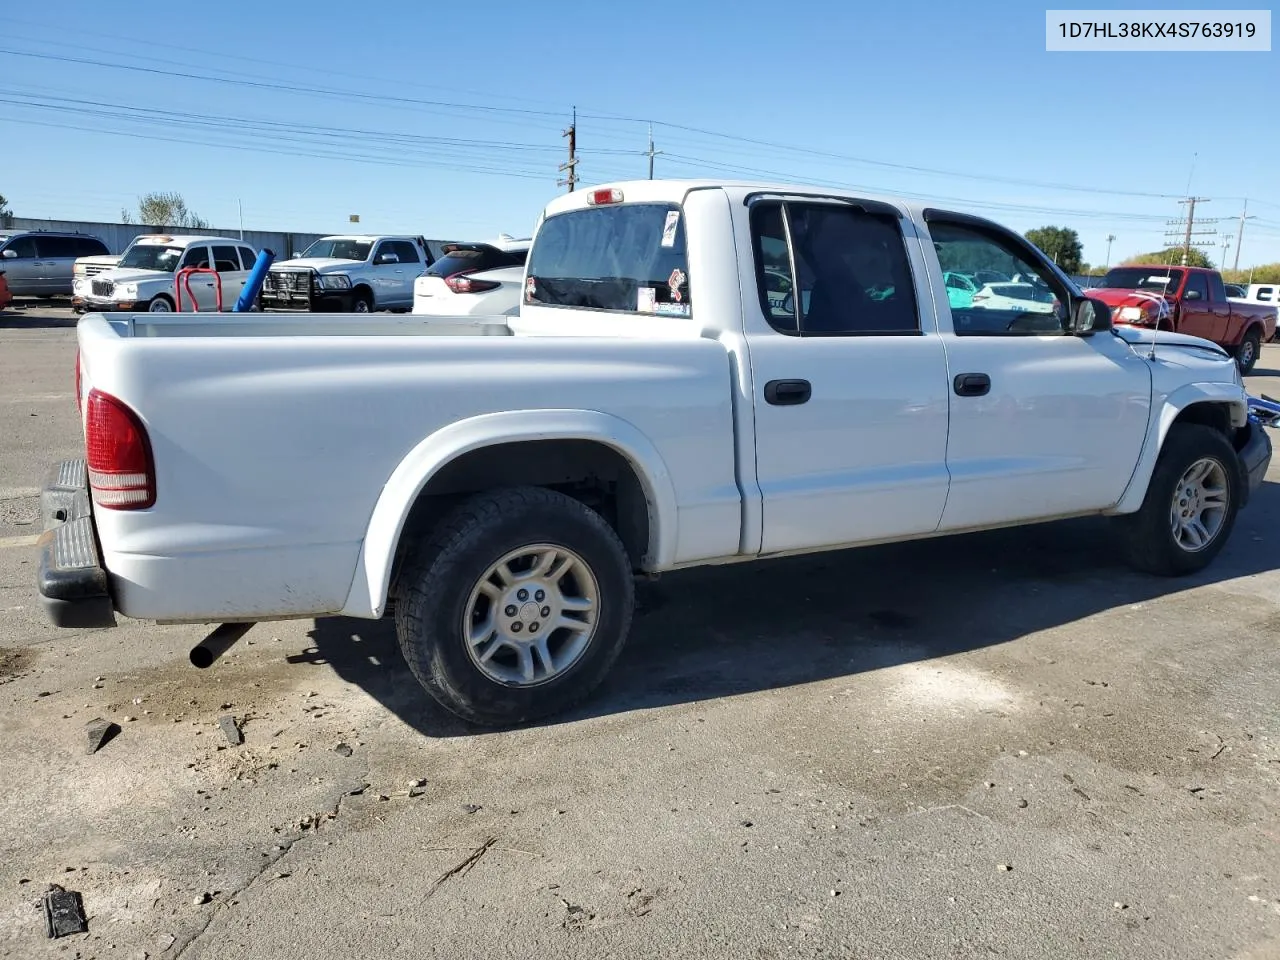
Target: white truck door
point(388, 274)
point(407, 271)
point(1043, 423)
point(849, 375)
point(226, 261)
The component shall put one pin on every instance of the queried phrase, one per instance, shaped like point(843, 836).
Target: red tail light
point(121, 469)
point(461, 283)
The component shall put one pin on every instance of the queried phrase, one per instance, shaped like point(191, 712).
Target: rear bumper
point(74, 588)
point(328, 301)
point(1254, 450)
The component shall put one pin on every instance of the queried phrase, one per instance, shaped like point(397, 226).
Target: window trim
point(1030, 253)
point(870, 208)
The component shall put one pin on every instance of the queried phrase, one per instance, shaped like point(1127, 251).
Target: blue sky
point(435, 120)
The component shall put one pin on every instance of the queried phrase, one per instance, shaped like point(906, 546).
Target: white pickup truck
point(655, 405)
point(360, 274)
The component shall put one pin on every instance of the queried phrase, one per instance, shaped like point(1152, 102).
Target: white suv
point(473, 279)
point(146, 276)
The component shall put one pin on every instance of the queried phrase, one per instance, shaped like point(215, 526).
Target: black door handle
point(783, 393)
point(972, 384)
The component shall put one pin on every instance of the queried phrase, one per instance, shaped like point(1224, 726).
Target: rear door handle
point(782, 393)
point(972, 384)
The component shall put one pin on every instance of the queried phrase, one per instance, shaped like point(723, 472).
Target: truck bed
point(274, 439)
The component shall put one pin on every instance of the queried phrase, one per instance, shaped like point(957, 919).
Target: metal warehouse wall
point(118, 235)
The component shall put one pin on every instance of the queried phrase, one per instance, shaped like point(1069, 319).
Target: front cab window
point(992, 289)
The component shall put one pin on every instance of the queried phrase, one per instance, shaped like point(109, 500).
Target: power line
point(1190, 226)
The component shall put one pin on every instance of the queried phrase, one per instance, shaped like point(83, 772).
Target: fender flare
point(1162, 419)
point(367, 596)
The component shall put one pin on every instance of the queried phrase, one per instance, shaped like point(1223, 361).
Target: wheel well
point(1215, 415)
point(363, 288)
point(590, 472)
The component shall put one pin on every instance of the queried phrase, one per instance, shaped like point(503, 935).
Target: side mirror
point(1191, 295)
point(1089, 317)
point(10, 254)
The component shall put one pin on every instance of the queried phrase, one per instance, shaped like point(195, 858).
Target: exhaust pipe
point(217, 643)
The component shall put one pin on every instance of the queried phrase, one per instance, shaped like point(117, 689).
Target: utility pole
point(651, 153)
point(572, 165)
point(1110, 237)
point(1189, 230)
point(1240, 234)
point(240, 206)
point(1226, 245)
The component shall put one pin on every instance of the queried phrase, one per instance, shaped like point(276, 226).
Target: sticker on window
point(675, 282)
point(672, 309)
point(646, 299)
point(530, 289)
point(669, 228)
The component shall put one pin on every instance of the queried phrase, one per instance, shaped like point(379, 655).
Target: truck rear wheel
point(516, 606)
point(1247, 352)
point(1190, 506)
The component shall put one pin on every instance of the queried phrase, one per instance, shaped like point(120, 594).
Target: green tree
point(165, 210)
point(6, 214)
point(1262, 273)
point(1059, 244)
point(1172, 256)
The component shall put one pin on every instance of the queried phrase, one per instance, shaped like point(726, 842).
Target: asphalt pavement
point(997, 745)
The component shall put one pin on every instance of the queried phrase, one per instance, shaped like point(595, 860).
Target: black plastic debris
point(63, 913)
point(98, 734)
point(231, 730)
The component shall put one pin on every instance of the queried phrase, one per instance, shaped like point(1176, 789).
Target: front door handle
point(972, 384)
point(782, 393)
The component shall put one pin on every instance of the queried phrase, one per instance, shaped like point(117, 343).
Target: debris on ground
point(201, 899)
point(230, 729)
point(1003, 867)
point(471, 808)
point(63, 913)
point(343, 750)
point(98, 733)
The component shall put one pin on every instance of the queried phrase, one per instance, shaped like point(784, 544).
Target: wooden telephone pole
point(572, 164)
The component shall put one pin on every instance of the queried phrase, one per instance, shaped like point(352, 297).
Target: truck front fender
point(368, 594)
point(1166, 413)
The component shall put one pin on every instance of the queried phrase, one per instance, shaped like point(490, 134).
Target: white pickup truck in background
point(357, 274)
point(658, 403)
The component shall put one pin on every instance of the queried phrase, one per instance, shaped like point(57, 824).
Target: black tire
point(435, 588)
point(362, 302)
point(1248, 351)
point(1147, 536)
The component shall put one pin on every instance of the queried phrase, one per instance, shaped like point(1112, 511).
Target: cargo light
point(598, 197)
point(118, 454)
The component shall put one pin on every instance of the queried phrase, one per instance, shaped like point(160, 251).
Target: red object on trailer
point(184, 276)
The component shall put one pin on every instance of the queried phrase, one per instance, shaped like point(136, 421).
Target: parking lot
point(998, 745)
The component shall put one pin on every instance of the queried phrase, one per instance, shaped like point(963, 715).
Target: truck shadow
point(720, 631)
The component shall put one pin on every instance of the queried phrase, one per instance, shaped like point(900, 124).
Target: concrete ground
point(1001, 745)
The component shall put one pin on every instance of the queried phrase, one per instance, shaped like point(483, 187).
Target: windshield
point(339, 249)
point(151, 256)
point(1143, 278)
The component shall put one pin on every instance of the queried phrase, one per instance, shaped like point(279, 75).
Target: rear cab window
point(624, 258)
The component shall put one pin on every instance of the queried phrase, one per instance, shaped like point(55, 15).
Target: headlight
point(333, 281)
point(1130, 313)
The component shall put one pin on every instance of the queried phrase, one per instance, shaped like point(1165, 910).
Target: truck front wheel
point(1190, 506)
point(516, 606)
point(1247, 352)
point(362, 302)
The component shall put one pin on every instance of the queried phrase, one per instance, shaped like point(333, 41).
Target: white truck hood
point(319, 264)
point(134, 275)
point(1145, 337)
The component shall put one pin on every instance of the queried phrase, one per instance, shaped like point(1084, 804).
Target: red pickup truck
point(1190, 300)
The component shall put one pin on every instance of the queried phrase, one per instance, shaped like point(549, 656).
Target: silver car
point(39, 263)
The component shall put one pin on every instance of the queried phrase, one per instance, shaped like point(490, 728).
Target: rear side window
point(224, 260)
point(90, 247)
point(849, 267)
point(629, 259)
point(58, 248)
point(1217, 288)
